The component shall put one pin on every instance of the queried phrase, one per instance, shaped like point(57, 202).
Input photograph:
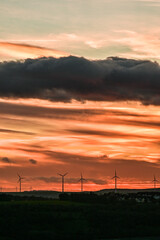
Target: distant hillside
point(42, 194)
point(128, 190)
point(55, 194)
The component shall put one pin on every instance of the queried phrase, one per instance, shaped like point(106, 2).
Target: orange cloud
point(10, 50)
point(93, 138)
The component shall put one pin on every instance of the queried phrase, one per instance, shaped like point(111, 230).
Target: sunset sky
point(79, 93)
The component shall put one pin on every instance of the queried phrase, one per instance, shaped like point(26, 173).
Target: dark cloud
point(119, 112)
point(109, 134)
point(46, 112)
point(70, 180)
point(6, 160)
point(58, 113)
point(67, 78)
point(33, 161)
point(96, 181)
point(48, 179)
point(14, 131)
point(152, 124)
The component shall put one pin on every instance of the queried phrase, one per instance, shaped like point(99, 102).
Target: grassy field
point(55, 219)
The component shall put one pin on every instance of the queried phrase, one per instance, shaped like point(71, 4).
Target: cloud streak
point(70, 180)
point(22, 51)
point(14, 131)
point(68, 78)
point(108, 134)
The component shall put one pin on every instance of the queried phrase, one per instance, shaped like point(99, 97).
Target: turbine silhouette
point(20, 182)
point(82, 180)
point(62, 175)
point(115, 177)
point(154, 181)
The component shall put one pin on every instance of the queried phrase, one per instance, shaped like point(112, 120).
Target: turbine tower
point(81, 180)
point(20, 182)
point(62, 175)
point(115, 177)
point(154, 181)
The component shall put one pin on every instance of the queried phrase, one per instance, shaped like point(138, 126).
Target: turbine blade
point(60, 174)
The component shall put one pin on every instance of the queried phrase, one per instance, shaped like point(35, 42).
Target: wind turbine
point(20, 181)
point(81, 180)
point(154, 181)
point(62, 175)
point(115, 177)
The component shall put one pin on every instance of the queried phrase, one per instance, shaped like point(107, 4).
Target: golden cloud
point(10, 50)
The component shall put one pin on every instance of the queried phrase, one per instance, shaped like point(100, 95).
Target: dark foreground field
point(36, 219)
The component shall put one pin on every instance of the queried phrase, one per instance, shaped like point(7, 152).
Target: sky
point(79, 93)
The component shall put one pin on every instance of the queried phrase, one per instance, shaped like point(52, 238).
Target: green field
point(55, 219)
